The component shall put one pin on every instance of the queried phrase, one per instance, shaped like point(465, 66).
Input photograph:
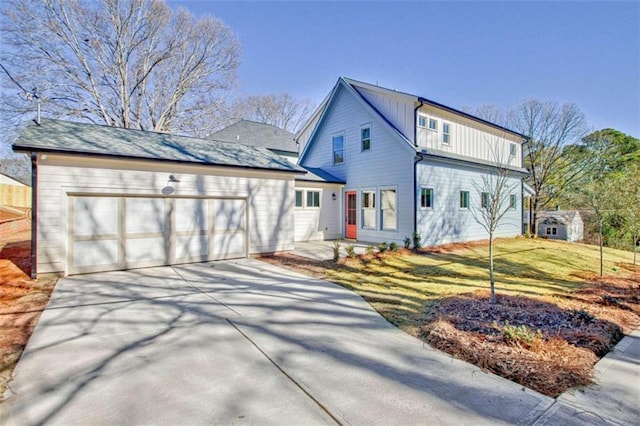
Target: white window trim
point(435, 128)
point(366, 126)
point(513, 144)
point(375, 208)
point(306, 198)
point(344, 148)
point(426, 121)
point(380, 210)
point(515, 205)
point(420, 198)
point(303, 199)
point(468, 199)
point(448, 134)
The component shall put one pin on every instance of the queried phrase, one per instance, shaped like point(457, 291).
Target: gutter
point(34, 214)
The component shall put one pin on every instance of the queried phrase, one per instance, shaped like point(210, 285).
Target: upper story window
point(338, 149)
point(464, 199)
point(486, 200)
point(513, 150)
point(422, 121)
point(446, 133)
point(433, 124)
point(426, 198)
point(365, 138)
point(513, 201)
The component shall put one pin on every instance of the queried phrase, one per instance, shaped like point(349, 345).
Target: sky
point(461, 54)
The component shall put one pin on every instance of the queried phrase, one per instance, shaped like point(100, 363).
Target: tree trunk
point(635, 248)
point(601, 251)
point(491, 280)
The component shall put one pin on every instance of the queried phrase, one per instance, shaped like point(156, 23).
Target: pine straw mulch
point(575, 329)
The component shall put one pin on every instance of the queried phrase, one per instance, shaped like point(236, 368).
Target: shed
point(564, 225)
point(109, 198)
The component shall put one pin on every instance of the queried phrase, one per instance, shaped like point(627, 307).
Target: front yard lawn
point(554, 317)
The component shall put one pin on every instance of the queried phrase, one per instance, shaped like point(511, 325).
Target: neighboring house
point(14, 192)
point(262, 135)
point(407, 164)
point(109, 198)
point(561, 225)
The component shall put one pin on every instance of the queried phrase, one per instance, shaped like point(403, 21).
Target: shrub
point(336, 250)
point(369, 250)
point(393, 247)
point(407, 242)
point(417, 245)
point(351, 251)
point(382, 247)
point(521, 336)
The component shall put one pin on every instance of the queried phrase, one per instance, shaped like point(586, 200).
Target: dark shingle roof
point(82, 138)
point(318, 175)
point(554, 217)
point(259, 135)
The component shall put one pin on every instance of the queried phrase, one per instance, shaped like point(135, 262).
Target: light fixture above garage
point(173, 179)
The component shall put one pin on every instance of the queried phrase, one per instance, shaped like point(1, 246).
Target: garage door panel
point(228, 215)
point(145, 250)
point(95, 253)
point(145, 215)
point(192, 247)
point(191, 215)
point(225, 246)
point(95, 216)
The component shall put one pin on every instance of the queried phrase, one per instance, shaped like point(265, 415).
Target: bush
point(521, 336)
point(417, 245)
point(407, 242)
point(369, 250)
point(336, 250)
point(382, 247)
point(351, 251)
point(393, 247)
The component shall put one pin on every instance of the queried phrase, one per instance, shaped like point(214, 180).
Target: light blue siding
point(388, 164)
point(446, 222)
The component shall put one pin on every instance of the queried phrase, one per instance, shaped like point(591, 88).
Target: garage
point(110, 233)
point(108, 198)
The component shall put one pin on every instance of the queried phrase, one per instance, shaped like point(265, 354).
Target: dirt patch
point(22, 301)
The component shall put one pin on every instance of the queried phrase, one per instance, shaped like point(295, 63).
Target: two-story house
point(407, 164)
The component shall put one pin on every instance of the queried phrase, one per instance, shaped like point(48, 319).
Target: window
point(338, 149)
point(365, 138)
point(368, 209)
point(513, 201)
point(433, 124)
point(552, 230)
point(388, 209)
point(445, 133)
point(313, 198)
point(422, 121)
point(513, 150)
point(486, 200)
point(464, 199)
point(426, 198)
point(299, 195)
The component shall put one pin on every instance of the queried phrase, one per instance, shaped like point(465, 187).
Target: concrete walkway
point(245, 342)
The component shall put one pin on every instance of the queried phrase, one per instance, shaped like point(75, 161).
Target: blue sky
point(458, 53)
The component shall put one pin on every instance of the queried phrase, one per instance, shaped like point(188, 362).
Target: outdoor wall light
point(173, 179)
point(334, 196)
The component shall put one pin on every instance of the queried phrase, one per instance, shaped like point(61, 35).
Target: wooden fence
point(15, 196)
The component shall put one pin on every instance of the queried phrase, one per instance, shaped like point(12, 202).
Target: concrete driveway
point(241, 342)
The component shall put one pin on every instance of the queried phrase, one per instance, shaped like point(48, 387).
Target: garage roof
point(91, 139)
point(258, 134)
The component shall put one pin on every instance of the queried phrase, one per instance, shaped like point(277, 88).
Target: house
point(108, 198)
point(407, 163)
point(263, 135)
point(564, 225)
point(14, 192)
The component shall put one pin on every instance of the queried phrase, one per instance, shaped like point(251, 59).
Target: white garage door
point(113, 233)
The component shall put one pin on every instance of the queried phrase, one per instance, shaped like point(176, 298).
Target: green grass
point(402, 287)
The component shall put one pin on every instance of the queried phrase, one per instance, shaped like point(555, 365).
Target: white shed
point(109, 198)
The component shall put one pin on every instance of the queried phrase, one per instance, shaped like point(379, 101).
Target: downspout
point(416, 160)
point(415, 122)
point(34, 214)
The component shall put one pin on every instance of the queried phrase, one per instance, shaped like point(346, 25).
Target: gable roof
point(13, 180)
point(554, 217)
point(257, 134)
point(91, 139)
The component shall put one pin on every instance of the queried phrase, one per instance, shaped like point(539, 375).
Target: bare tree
point(550, 128)
point(126, 63)
point(494, 190)
point(282, 110)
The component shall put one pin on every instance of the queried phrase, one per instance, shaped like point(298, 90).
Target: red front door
point(351, 228)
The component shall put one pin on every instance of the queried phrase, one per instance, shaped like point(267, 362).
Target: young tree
point(494, 190)
point(126, 63)
point(550, 128)
point(282, 110)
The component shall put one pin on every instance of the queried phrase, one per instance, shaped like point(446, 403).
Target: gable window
point(422, 121)
point(513, 150)
point(299, 195)
point(464, 199)
point(388, 208)
point(446, 134)
point(513, 201)
point(368, 209)
point(433, 124)
point(486, 200)
point(365, 138)
point(338, 149)
point(313, 198)
point(426, 198)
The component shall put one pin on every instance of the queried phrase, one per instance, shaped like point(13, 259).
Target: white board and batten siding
point(118, 209)
point(446, 222)
point(387, 165)
point(322, 222)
